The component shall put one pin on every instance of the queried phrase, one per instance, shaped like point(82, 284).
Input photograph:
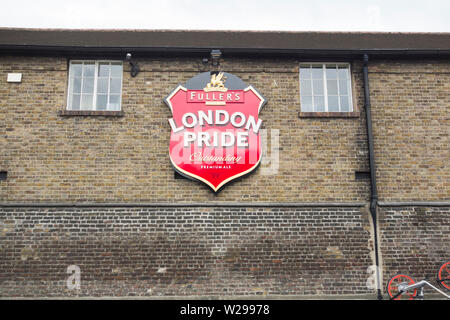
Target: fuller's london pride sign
point(215, 127)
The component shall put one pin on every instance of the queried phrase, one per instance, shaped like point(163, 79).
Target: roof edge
point(224, 30)
point(79, 50)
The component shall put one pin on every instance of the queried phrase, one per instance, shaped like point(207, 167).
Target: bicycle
point(403, 286)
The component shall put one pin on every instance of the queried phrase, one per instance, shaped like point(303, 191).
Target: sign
point(215, 128)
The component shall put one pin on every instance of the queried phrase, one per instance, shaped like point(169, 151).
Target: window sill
point(66, 113)
point(354, 114)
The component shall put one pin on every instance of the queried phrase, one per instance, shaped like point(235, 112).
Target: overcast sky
point(300, 15)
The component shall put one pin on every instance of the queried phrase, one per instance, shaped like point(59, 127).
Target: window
point(95, 85)
point(325, 87)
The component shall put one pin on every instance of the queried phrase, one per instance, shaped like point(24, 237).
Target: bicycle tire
point(393, 284)
point(444, 274)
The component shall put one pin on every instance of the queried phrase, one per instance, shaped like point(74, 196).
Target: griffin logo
point(216, 83)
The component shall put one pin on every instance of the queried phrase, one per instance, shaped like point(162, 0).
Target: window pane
point(116, 69)
point(91, 91)
point(86, 101)
point(332, 87)
point(89, 69)
point(306, 104)
point(317, 72)
point(102, 85)
point(88, 85)
point(344, 103)
point(102, 101)
point(115, 85)
point(114, 102)
point(74, 102)
point(343, 90)
point(331, 72)
point(343, 72)
point(75, 69)
point(305, 88)
point(318, 87)
point(337, 77)
point(75, 85)
point(333, 103)
point(319, 103)
point(305, 73)
point(103, 69)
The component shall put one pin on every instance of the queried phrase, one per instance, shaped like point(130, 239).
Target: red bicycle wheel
point(444, 275)
point(393, 287)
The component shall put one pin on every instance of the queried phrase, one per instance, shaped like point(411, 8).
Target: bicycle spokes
point(444, 275)
point(396, 286)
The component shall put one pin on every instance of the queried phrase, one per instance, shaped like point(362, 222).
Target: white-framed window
point(95, 85)
point(325, 87)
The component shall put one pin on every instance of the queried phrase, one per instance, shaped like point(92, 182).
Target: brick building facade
point(96, 188)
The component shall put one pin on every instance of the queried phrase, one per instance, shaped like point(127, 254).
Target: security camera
point(128, 57)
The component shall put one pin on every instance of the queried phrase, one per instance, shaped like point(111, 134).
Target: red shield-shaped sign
point(215, 127)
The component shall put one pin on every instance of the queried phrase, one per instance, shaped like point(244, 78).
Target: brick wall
point(414, 240)
point(50, 158)
point(219, 250)
point(185, 251)
point(410, 102)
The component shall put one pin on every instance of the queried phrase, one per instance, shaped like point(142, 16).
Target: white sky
point(300, 15)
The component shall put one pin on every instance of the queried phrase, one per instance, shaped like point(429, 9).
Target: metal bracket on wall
point(216, 54)
point(134, 67)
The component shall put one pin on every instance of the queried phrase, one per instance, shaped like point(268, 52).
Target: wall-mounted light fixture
point(215, 56)
point(134, 67)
